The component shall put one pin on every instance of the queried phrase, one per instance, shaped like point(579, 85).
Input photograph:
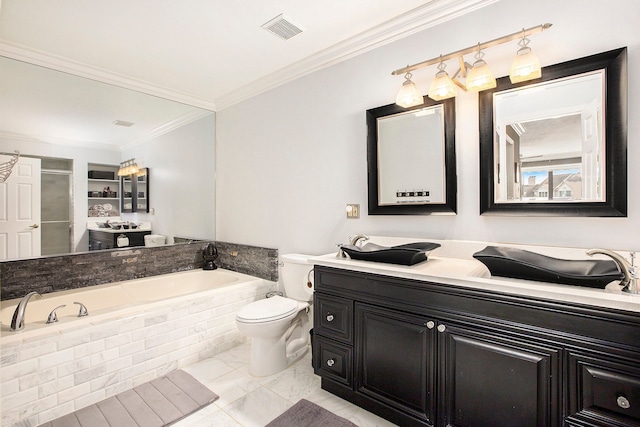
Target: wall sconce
point(479, 77)
point(409, 94)
point(442, 87)
point(526, 65)
point(128, 167)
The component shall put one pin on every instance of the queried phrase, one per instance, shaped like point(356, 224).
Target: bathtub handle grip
point(53, 317)
point(83, 310)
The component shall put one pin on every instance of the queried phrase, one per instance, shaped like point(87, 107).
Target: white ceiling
point(206, 53)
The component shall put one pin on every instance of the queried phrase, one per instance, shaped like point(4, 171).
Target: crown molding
point(91, 145)
point(161, 130)
point(429, 15)
point(183, 120)
point(66, 65)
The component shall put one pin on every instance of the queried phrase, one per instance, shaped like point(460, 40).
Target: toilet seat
point(267, 310)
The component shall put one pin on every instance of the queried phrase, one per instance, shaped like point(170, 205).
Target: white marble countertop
point(114, 231)
point(463, 270)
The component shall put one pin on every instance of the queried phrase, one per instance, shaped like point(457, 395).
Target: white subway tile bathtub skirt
point(44, 378)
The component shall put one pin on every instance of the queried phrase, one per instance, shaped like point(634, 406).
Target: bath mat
point(158, 403)
point(308, 414)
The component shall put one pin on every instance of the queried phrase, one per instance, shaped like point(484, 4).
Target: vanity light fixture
point(7, 167)
point(477, 77)
point(409, 94)
point(480, 76)
point(128, 167)
point(526, 65)
point(442, 87)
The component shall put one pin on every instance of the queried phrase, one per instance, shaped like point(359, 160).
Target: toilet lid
point(273, 308)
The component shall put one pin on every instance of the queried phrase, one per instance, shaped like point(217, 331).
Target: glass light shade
point(409, 95)
point(526, 66)
point(480, 77)
point(442, 87)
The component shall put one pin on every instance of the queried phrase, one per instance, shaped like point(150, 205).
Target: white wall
point(289, 160)
point(181, 180)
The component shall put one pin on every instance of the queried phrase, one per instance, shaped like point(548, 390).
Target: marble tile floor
point(248, 401)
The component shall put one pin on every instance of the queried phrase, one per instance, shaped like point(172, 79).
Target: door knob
point(331, 362)
point(330, 318)
point(34, 226)
point(442, 328)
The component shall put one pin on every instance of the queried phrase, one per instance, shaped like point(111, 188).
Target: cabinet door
point(493, 379)
point(602, 389)
point(394, 361)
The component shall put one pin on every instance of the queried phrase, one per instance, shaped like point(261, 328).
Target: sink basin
point(522, 264)
point(408, 254)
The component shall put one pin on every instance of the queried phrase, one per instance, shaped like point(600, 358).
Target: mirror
point(557, 145)
point(63, 118)
point(411, 159)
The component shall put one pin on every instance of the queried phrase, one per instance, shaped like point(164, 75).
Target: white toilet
point(279, 326)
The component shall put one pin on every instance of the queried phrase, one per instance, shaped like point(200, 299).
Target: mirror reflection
point(557, 146)
point(64, 125)
point(411, 157)
point(549, 145)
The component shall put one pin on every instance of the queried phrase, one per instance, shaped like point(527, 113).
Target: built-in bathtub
point(136, 330)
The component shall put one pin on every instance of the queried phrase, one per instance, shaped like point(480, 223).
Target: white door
point(20, 210)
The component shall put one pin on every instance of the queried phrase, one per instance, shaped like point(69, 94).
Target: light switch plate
point(353, 211)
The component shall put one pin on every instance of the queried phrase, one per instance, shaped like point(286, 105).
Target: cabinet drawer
point(333, 360)
point(604, 392)
point(333, 317)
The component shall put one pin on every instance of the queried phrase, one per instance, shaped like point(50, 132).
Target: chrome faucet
point(357, 238)
point(17, 323)
point(629, 282)
point(352, 241)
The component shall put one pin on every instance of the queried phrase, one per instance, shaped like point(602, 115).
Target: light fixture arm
point(460, 53)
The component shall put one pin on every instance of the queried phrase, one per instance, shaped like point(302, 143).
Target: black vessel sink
point(521, 264)
point(408, 254)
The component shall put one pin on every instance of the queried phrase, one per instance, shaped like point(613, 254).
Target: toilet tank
point(154, 240)
point(296, 274)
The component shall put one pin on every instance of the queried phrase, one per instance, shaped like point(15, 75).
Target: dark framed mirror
point(557, 145)
point(411, 161)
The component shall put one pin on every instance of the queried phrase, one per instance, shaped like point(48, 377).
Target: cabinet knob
point(442, 328)
point(623, 402)
point(330, 318)
point(430, 324)
point(331, 362)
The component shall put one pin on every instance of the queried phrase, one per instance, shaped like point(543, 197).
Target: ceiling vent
point(283, 27)
point(123, 123)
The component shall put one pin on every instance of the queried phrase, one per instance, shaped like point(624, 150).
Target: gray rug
point(308, 414)
point(158, 403)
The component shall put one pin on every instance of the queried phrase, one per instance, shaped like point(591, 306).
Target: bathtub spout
point(17, 322)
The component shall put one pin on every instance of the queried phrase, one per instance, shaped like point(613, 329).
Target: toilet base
point(270, 356)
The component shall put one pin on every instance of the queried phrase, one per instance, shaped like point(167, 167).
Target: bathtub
point(136, 330)
point(112, 299)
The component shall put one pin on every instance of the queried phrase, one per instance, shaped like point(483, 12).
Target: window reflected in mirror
point(557, 146)
point(549, 145)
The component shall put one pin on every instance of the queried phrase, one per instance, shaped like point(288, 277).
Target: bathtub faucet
point(17, 323)
point(83, 310)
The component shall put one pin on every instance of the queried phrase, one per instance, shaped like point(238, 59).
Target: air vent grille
point(123, 123)
point(283, 27)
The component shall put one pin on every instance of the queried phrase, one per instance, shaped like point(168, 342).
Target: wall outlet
point(353, 211)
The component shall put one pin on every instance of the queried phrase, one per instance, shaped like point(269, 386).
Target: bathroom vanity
point(424, 347)
point(106, 238)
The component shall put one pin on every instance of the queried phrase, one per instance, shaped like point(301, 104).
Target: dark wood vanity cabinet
point(427, 354)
